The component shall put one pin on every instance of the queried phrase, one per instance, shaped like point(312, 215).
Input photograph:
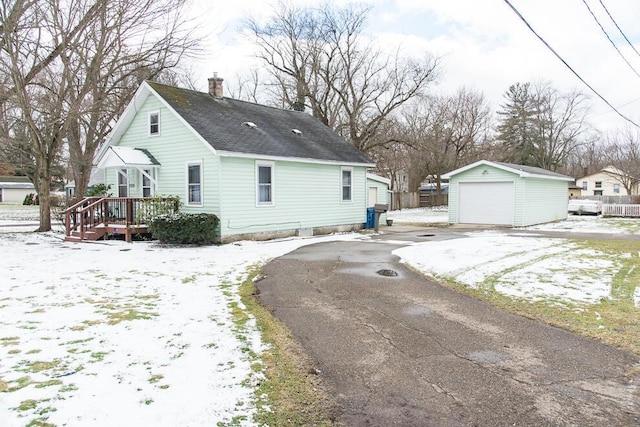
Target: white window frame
point(616, 188)
point(142, 179)
point(123, 180)
point(272, 165)
point(151, 114)
point(188, 185)
point(342, 186)
point(584, 185)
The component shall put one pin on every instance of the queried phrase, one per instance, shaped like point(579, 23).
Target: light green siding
point(536, 200)
point(174, 148)
point(305, 195)
point(544, 200)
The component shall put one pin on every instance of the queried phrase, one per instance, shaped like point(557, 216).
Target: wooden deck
point(93, 218)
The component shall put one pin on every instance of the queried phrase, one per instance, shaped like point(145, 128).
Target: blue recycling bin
point(371, 218)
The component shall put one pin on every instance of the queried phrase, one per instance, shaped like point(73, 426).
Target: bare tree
point(320, 60)
point(622, 151)
point(121, 49)
point(73, 66)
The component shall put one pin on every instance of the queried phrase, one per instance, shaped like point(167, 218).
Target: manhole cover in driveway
point(388, 273)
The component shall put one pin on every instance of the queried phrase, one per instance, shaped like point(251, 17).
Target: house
point(264, 171)
point(607, 182)
point(14, 189)
point(506, 194)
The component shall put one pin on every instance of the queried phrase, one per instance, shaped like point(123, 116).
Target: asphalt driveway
point(403, 350)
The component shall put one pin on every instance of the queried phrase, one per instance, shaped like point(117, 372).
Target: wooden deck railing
point(621, 210)
point(120, 214)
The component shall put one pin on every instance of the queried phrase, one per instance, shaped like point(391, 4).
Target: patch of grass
point(4, 386)
point(155, 378)
point(290, 394)
point(128, 315)
point(68, 388)
point(14, 351)
point(27, 405)
point(18, 384)
point(48, 383)
point(40, 366)
point(189, 279)
point(98, 356)
point(7, 341)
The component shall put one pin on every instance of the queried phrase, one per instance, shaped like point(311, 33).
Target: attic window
point(296, 131)
point(250, 124)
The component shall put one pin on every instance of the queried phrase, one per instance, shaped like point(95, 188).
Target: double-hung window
point(146, 183)
point(346, 184)
point(264, 179)
point(123, 183)
point(194, 184)
point(154, 123)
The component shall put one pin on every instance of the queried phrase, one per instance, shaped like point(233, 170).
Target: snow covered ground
point(420, 215)
point(111, 333)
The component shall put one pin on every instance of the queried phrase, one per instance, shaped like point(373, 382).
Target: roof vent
point(296, 131)
point(250, 124)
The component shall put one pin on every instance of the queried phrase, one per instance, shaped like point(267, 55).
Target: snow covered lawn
point(110, 333)
point(529, 267)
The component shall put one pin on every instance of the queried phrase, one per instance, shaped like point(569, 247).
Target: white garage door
point(486, 203)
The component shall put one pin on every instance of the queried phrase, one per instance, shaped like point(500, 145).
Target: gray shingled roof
point(222, 123)
point(532, 170)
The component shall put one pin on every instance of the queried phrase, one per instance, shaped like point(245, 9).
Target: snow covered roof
point(121, 157)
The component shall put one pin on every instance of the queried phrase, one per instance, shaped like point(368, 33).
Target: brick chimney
point(215, 86)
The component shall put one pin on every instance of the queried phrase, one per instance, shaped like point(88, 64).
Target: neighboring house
point(607, 182)
point(264, 171)
point(97, 177)
point(378, 192)
point(506, 194)
point(14, 189)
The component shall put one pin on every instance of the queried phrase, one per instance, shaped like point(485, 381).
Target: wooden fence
point(627, 211)
point(409, 200)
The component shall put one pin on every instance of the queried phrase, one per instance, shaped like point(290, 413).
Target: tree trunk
point(44, 200)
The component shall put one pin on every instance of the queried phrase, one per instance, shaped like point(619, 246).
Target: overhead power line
point(567, 65)
point(595, 18)
point(619, 29)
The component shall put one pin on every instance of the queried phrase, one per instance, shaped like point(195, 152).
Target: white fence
point(621, 210)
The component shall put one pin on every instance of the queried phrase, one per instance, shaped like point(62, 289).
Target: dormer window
point(154, 123)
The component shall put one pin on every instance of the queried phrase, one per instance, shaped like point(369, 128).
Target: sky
point(483, 45)
point(148, 338)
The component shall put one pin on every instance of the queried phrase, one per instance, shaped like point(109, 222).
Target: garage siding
point(544, 200)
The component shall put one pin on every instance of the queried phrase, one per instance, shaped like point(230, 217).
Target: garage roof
point(521, 170)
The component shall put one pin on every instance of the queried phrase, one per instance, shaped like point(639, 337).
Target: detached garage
point(506, 194)
point(13, 189)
